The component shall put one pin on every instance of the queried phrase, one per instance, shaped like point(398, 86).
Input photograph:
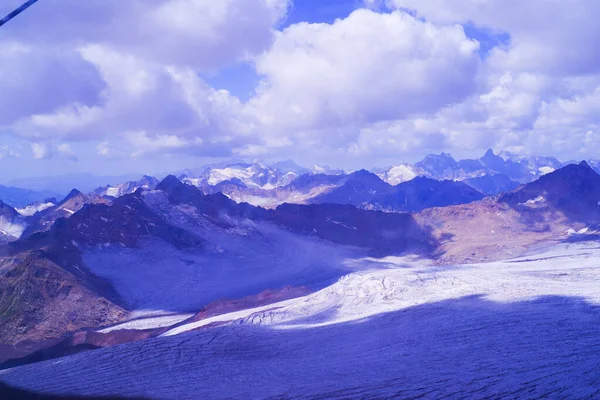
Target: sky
point(152, 86)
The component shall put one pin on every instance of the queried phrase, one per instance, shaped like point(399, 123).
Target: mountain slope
point(573, 190)
point(406, 329)
point(146, 182)
point(358, 188)
point(549, 209)
point(44, 219)
point(12, 224)
point(255, 175)
point(421, 193)
point(18, 197)
point(492, 184)
point(40, 301)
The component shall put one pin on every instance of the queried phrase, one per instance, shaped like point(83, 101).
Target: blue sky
point(150, 87)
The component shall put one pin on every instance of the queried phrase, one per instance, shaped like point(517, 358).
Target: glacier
point(390, 327)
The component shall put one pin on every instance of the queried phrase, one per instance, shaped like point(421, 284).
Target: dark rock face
point(345, 224)
point(492, 184)
point(573, 190)
point(359, 188)
point(124, 222)
point(366, 190)
point(8, 212)
point(43, 220)
point(437, 165)
point(213, 206)
point(421, 193)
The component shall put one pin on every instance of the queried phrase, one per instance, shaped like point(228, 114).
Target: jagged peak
point(73, 193)
point(489, 153)
point(584, 164)
point(169, 182)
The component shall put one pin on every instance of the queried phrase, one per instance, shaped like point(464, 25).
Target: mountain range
point(153, 259)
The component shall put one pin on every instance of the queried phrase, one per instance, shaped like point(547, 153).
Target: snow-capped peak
point(398, 174)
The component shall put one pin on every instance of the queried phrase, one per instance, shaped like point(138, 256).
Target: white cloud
point(203, 34)
point(144, 97)
point(554, 36)
point(366, 68)
point(66, 152)
point(39, 150)
point(97, 70)
point(46, 151)
point(6, 151)
point(372, 84)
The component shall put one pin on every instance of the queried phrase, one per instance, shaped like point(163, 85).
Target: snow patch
point(11, 229)
point(149, 323)
point(532, 202)
point(398, 174)
point(546, 170)
point(112, 191)
point(33, 208)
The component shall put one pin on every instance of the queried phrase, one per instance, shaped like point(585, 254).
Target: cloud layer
point(390, 81)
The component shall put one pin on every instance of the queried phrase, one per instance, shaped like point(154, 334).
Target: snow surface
point(546, 170)
point(33, 208)
point(295, 197)
point(522, 328)
point(398, 174)
point(149, 323)
point(533, 202)
point(113, 191)
point(10, 229)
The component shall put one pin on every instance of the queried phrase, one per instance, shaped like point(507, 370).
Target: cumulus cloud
point(46, 151)
point(396, 78)
point(537, 93)
point(6, 151)
point(555, 36)
point(37, 80)
point(99, 69)
point(39, 150)
point(203, 34)
point(366, 68)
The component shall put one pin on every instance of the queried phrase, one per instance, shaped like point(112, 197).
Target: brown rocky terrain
point(41, 301)
point(510, 224)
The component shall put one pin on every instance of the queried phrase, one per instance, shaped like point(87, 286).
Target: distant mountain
point(573, 190)
point(20, 198)
point(113, 191)
point(62, 184)
point(33, 208)
point(358, 188)
point(492, 184)
point(255, 175)
point(444, 167)
point(438, 166)
point(400, 173)
point(366, 190)
point(421, 193)
point(73, 202)
point(286, 166)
